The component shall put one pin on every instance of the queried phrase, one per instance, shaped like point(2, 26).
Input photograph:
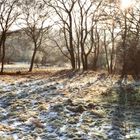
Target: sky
point(124, 4)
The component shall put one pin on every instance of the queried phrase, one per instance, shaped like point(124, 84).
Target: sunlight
point(125, 4)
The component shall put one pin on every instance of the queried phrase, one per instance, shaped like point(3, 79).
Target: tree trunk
point(82, 60)
point(0, 52)
point(1, 40)
point(78, 57)
point(3, 51)
point(86, 63)
point(106, 53)
point(112, 54)
point(124, 72)
point(73, 61)
point(79, 64)
point(96, 56)
point(32, 60)
point(3, 55)
point(71, 43)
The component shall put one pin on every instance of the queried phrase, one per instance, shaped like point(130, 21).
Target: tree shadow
point(125, 112)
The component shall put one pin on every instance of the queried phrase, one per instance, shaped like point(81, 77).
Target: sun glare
point(126, 4)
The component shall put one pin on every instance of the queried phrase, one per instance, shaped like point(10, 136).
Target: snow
point(39, 105)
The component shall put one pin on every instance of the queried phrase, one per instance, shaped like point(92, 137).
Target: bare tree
point(63, 10)
point(111, 29)
point(35, 15)
point(8, 15)
point(125, 31)
point(84, 16)
point(95, 33)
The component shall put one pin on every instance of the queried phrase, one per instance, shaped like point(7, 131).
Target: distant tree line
point(90, 34)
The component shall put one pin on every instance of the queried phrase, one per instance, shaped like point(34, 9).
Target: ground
point(58, 104)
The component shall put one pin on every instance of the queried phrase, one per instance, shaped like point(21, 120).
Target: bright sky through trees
point(126, 4)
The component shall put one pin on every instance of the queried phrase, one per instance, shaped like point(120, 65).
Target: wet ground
point(69, 106)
